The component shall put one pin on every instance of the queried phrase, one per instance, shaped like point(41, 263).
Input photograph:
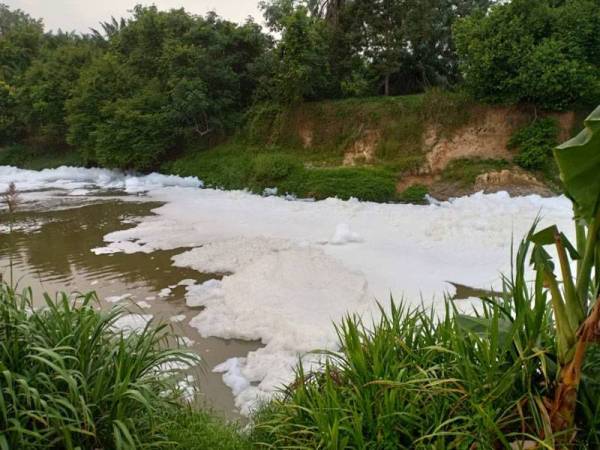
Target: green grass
point(28, 158)
point(235, 166)
point(190, 429)
point(414, 194)
point(465, 171)
point(69, 380)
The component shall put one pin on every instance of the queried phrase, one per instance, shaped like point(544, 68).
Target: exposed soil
point(485, 137)
point(362, 151)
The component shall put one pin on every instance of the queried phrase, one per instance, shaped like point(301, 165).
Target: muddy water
point(51, 252)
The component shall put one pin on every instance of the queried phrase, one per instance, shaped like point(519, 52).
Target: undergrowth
point(238, 167)
point(413, 381)
point(69, 379)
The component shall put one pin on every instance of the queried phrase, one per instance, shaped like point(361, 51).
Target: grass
point(413, 381)
point(414, 194)
point(235, 166)
point(464, 172)
point(70, 380)
point(29, 158)
point(190, 429)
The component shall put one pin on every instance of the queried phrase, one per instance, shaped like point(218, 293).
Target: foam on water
point(285, 283)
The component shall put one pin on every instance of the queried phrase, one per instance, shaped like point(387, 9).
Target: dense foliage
point(70, 380)
point(534, 143)
point(150, 87)
point(544, 52)
point(128, 95)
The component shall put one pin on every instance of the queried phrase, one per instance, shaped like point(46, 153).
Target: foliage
point(20, 40)
point(167, 78)
point(465, 171)
point(579, 163)
point(69, 380)
point(414, 194)
point(542, 52)
point(273, 167)
point(534, 143)
point(27, 157)
point(190, 429)
point(241, 167)
point(46, 86)
point(410, 382)
point(364, 47)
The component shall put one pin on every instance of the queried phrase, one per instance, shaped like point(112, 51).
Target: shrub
point(272, 167)
point(362, 183)
point(69, 380)
point(534, 143)
point(408, 382)
point(414, 194)
point(464, 171)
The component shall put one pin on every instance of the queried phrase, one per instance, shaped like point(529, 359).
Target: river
point(254, 283)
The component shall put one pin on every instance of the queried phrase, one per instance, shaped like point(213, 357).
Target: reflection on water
point(51, 252)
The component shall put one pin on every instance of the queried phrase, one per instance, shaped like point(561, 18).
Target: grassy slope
point(300, 150)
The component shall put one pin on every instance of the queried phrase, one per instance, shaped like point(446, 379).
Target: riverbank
point(394, 149)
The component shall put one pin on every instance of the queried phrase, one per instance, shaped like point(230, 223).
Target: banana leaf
point(579, 163)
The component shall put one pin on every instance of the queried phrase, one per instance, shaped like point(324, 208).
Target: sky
point(81, 15)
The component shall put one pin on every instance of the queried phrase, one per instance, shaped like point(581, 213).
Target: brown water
point(55, 255)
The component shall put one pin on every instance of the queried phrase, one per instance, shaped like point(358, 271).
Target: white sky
point(80, 15)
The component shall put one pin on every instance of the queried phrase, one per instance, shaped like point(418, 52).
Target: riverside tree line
point(137, 91)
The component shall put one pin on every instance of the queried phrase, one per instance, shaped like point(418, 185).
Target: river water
point(264, 278)
point(51, 253)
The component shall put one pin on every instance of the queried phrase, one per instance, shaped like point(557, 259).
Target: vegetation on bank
point(70, 379)
point(161, 84)
point(519, 371)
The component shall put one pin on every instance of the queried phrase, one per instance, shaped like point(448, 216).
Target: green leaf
point(545, 236)
point(579, 162)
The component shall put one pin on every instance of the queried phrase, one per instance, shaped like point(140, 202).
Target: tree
point(535, 51)
point(20, 40)
point(47, 84)
point(166, 79)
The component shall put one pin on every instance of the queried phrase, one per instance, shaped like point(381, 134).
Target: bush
point(534, 143)
point(362, 183)
point(534, 51)
point(408, 382)
point(272, 167)
point(414, 194)
point(69, 380)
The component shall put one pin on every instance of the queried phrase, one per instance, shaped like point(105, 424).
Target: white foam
point(117, 298)
point(344, 235)
point(203, 294)
point(164, 293)
point(282, 286)
point(132, 323)
point(79, 180)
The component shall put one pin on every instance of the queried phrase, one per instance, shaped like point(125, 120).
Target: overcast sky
point(80, 15)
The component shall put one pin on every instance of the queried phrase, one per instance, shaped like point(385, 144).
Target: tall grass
point(413, 381)
point(69, 380)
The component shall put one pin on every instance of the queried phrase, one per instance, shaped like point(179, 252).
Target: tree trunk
point(386, 85)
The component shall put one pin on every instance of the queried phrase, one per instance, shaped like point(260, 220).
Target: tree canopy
point(136, 91)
